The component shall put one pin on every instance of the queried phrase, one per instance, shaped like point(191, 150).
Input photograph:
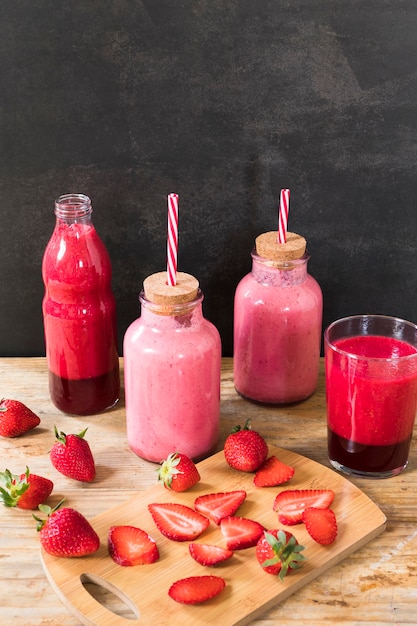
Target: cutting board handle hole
point(109, 596)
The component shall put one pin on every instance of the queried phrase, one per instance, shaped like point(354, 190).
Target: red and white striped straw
point(172, 239)
point(284, 207)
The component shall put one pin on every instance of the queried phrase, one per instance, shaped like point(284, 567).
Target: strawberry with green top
point(66, 532)
point(16, 418)
point(26, 491)
point(278, 551)
point(71, 455)
point(178, 472)
point(129, 545)
point(196, 589)
point(272, 473)
point(218, 505)
point(245, 449)
point(178, 522)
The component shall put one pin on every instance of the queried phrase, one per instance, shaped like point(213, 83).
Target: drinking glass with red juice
point(371, 393)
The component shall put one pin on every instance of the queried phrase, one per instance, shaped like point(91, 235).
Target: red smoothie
point(79, 320)
point(371, 386)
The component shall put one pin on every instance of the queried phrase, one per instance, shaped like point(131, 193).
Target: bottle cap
point(158, 291)
point(267, 246)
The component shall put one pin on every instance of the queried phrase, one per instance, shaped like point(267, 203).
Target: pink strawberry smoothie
point(374, 402)
point(79, 317)
point(277, 331)
point(172, 384)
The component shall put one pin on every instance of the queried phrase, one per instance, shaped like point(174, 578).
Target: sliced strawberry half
point(291, 503)
point(178, 521)
point(216, 506)
point(129, 545)
point(209, 555)
point(240, 532)
point(321, 525)
point(196, 589)
point(272, 473)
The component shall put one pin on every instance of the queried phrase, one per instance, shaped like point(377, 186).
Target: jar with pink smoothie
point(172, 361)
point(79, 313)
point(277, 323)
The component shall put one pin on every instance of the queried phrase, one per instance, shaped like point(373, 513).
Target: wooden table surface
point(375, 585)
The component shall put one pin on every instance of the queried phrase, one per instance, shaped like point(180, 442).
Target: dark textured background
point(224, 102)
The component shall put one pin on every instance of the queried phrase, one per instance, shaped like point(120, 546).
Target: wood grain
point(373, 585)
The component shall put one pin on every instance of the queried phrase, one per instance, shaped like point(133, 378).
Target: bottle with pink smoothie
point(79, 313)
point(172, 360)
point(277, 323)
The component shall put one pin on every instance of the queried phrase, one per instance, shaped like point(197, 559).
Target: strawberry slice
point(196, 589)
point(129, 545)
point(321, 525)
point(240, 532)
point(178, 521)
point(209, 555)
point(216, 506)
point(291, 503)
point(273, 472)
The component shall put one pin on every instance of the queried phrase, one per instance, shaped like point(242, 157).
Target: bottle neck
point(279, 273)
point(73, 208)
point(182, 314)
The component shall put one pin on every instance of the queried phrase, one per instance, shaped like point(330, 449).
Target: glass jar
point(172, 361)
point(277, 326)
point(79, 313)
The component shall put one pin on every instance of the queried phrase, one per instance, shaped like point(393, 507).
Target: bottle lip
point(282, 264)
point(73, 205)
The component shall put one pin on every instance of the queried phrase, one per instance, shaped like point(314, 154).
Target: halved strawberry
point(216, 506)
point(178, 521)
point(273, 472)
point(240, 532)
point(321, 525)
point(209, 555)
point(196, 589)
point(291, 503)
point(129, 545)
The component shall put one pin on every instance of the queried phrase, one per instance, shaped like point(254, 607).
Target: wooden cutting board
point(249, 591)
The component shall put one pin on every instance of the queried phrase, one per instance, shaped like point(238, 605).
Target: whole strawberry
point(65, 532)
point(26, 491)
point(178, 472)
point(71, 456)
point(16, 418)
point(245, 449)
point(278, 551)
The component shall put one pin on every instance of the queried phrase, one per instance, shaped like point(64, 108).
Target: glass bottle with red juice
point(79, 313)
point(277, 323)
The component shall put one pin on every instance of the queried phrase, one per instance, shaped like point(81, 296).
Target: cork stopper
point(267, 246)
point(159, 292)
